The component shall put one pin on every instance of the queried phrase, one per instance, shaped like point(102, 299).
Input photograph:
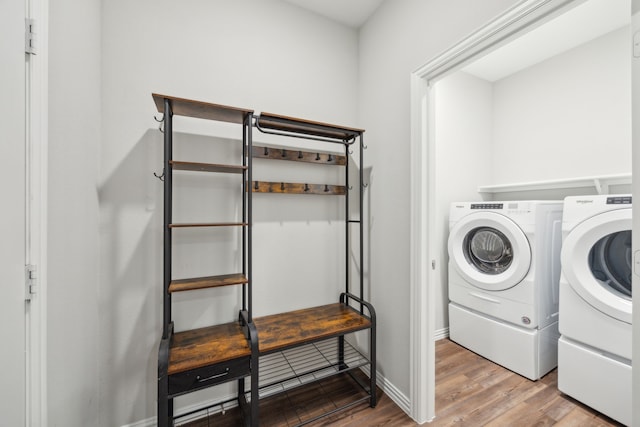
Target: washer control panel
point(619, 200)
point(487, 206)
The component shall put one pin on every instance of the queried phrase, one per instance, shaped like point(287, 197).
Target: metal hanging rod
point(293, 134)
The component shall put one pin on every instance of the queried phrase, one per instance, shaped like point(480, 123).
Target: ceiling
point(352, 13)
point(588, 20)
point(585, 22)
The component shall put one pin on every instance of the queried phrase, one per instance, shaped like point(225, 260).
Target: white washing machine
point(504, 268)
point(594, 361)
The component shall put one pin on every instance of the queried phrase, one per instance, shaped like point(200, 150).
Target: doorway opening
point(428, 208)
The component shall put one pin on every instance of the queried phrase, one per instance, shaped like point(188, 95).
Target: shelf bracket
point(601, 188)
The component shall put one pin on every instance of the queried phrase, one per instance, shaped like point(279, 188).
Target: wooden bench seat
point(285, 330)
point(216, 344)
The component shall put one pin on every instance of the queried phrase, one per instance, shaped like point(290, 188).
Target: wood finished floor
point(470, 391)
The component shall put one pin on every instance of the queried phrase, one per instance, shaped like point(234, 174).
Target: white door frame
point(514, 22)
point(36, 73)
point(635, 108)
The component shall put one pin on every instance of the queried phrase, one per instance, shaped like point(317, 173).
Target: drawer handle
point(212, 377)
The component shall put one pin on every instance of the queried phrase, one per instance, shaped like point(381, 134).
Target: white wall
point(262, 54)
point(576, 103)
point(463, 134)
point(73, 346)
point(400, 37)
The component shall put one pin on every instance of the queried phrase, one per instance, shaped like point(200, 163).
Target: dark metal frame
point(347, 295)
point(165, 403)
point(240, 369)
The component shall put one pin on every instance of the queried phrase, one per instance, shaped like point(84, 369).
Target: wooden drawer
point(207, 376)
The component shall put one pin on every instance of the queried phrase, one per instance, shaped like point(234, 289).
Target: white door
point(12, 216)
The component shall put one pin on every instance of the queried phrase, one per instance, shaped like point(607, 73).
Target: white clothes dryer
point(504, 267)
point(594, 364)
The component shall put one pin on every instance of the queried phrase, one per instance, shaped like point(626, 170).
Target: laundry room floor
point(472, 391)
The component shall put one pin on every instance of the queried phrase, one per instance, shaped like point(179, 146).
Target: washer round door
point(596, 261)
point(489, 251)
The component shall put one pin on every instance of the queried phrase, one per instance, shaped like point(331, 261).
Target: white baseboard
point(149, 422)
point(392, 391)
point(198, 410)
point(395, 394)
point(441, 334)
point(398, 397)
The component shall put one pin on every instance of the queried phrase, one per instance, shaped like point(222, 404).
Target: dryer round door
point(596, 261)
point(489, 251)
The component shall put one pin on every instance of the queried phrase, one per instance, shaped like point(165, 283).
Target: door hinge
point(30, 281)
point(30, 36)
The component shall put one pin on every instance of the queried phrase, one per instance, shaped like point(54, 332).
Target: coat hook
point(256, 186)
point(326, 188)
point(317, 156)
point(161, 121)
point(306, 187)
point(284, 153)
point(160, 177)
point(364, 185)
point(266, 151)
point(329, 158)
point(349, 187)
point(300, 154)
point(282, 186)
point(364, 147)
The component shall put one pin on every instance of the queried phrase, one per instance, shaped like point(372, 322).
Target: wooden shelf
point(285, 330)
point(208, 224)
point(298, 188)
point(201, 110)
point(276, 122)
point(207, 282)
point(277, 153)
point(202, 347)
point(206, 167)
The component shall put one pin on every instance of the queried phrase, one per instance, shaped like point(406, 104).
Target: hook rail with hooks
point(297, 188)
point(296, 154)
